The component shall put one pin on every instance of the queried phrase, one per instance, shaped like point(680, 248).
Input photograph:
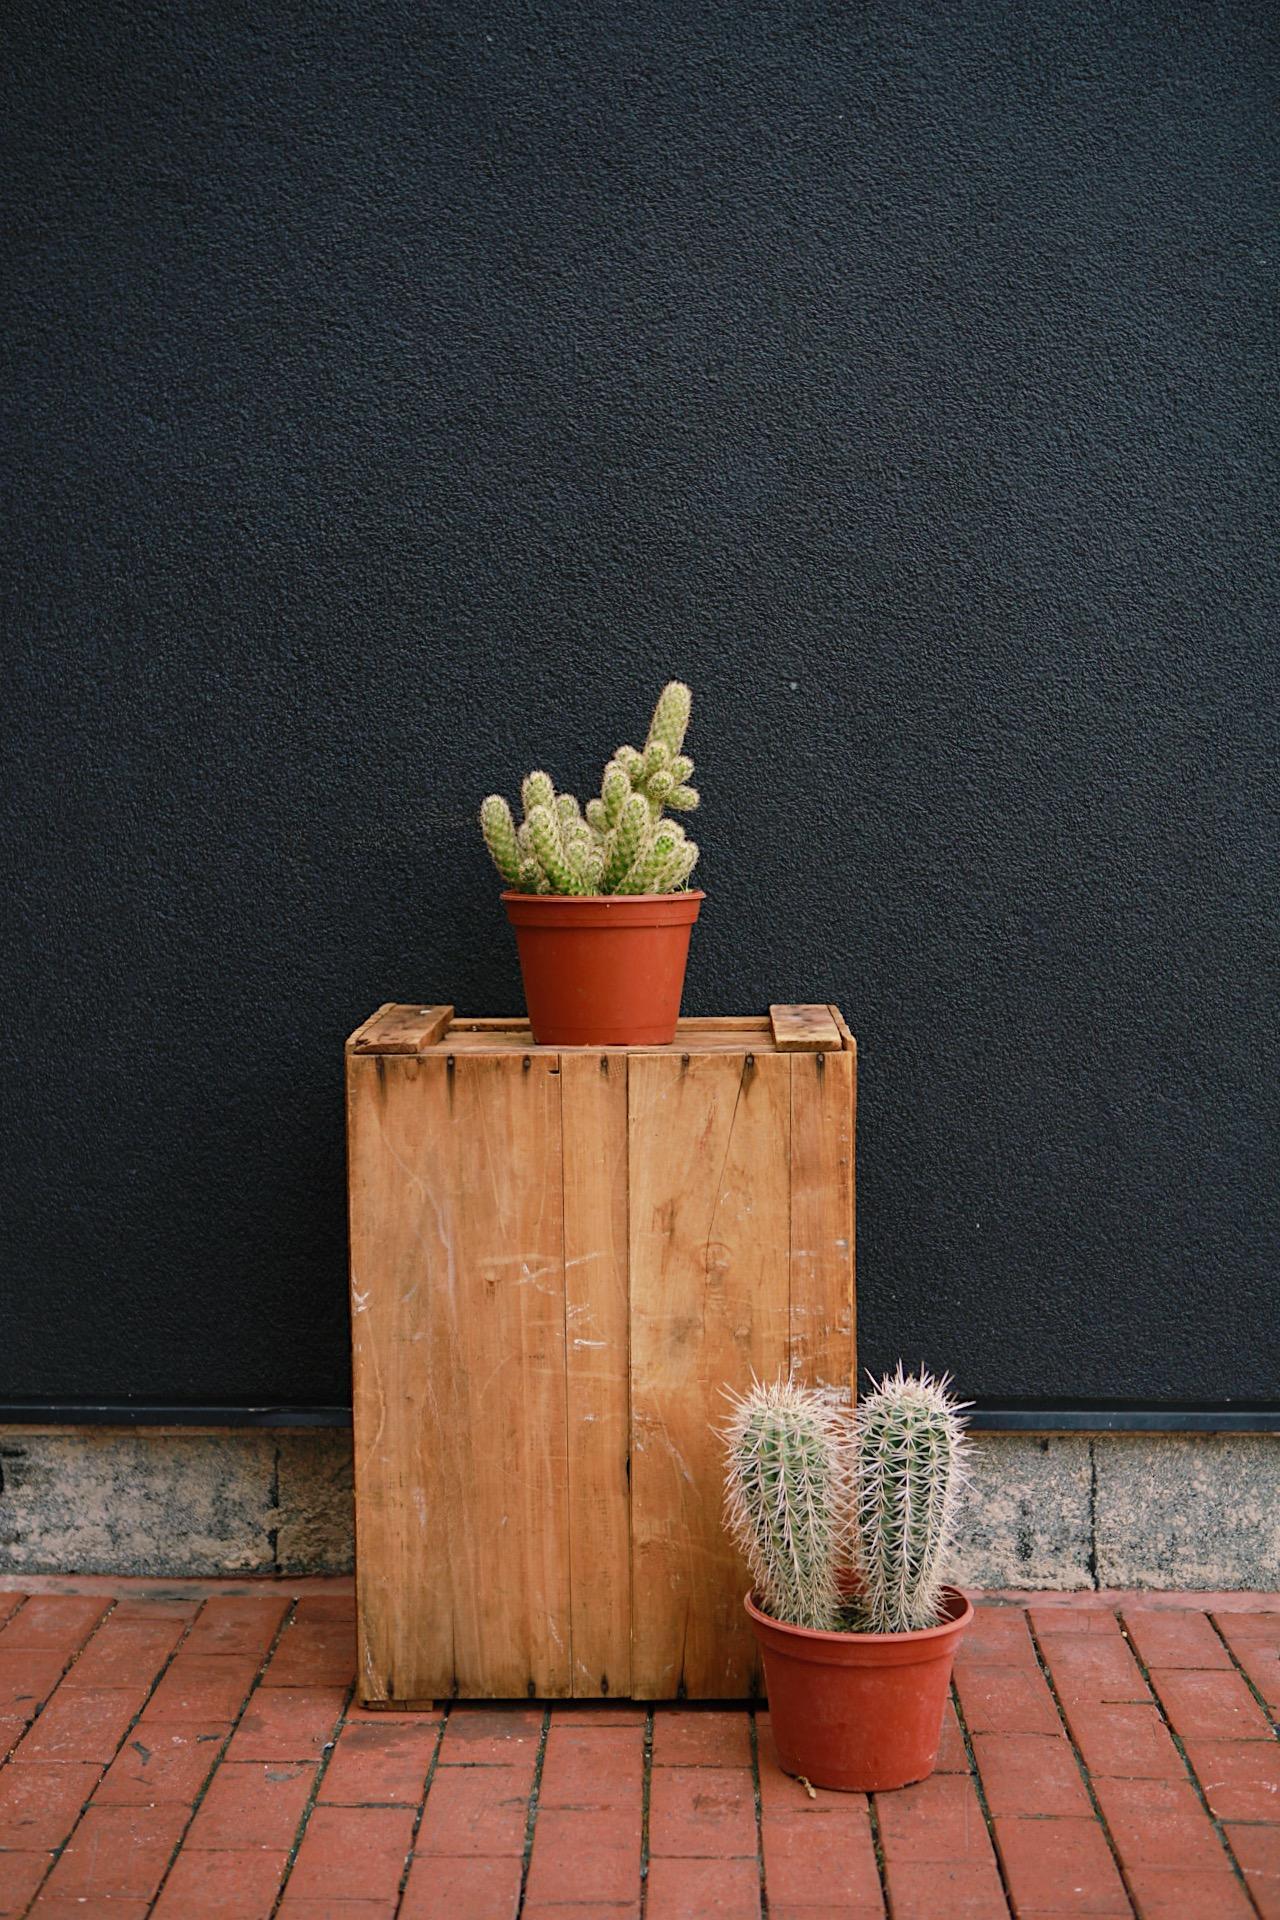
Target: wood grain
point(822, 1332)
point(457, 1287)
point(401, 1029)
point(804, 1029)
point(710, 1285)
point(593, 1093)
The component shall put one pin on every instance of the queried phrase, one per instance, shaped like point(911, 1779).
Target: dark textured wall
point(395, 395)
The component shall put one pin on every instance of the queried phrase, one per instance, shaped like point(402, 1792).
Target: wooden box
point(558, 1258)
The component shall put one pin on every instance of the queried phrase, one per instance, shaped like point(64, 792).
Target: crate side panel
point(823, 1346)
point(710, 1254)
point(593, 1089)
point(458, 1334)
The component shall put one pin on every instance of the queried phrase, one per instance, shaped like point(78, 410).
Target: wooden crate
point(558, 1258)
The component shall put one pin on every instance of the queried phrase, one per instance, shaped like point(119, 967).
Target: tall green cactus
point(620, 843)
point(788, 1468)
point(908, 1469)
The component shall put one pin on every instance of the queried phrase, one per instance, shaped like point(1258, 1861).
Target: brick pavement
point(194, 1752)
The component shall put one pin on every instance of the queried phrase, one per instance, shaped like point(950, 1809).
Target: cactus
point(814, 1495)
point(614, 791)
point(544, 833)
point(670, 718)
point(788, 1488)
point(908, 1468)
point(620, 842)
point(627, 842)
point(499, 831)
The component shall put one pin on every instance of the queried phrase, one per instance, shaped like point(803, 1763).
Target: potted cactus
point(599, 898)
point(845, 1521)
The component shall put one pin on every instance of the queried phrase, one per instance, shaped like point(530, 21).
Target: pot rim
point(600, 899)
point(915, 1636)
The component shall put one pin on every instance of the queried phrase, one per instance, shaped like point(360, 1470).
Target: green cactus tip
point(499, 830)
point(670, 718)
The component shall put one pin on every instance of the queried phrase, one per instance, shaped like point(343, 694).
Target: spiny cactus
point(662, 772)
point(908, 1467)
point(814, 1495)
point(788, 1491)
point(620, 843)
point(499, 831)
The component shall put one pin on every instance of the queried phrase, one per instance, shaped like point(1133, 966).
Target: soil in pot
point(603, 970)
point(860, 1712)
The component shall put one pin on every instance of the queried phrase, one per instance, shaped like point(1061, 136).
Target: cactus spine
point(788, 1486)
point(620, 843)
point(909, 1468)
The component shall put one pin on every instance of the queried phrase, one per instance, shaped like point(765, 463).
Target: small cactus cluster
point(621, 843)
point(846, 1519)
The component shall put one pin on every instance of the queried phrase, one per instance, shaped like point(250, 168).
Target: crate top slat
point(409, 1028)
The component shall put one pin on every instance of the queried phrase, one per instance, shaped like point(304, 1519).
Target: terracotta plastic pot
point(861, 1712)
point(603, 970)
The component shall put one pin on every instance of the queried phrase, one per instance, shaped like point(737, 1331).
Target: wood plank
point(467, 1040)
point(495, 1040)
point(402, 1029)
point(593, 1095)
point(710, 1255)
point(804, 1029)
point(847, 1040)
point(723, 1023)
point(372, 1021)
point(457, 1287)
point(822, 1328)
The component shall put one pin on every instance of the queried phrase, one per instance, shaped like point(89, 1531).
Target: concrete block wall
point(1063, 1511)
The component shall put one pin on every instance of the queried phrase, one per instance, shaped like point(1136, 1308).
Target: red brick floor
point(193, 1750)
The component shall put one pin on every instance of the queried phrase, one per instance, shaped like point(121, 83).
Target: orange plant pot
point(860, 1712)
point(603, 970)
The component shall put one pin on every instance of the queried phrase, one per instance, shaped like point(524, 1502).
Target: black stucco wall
point(395, 395)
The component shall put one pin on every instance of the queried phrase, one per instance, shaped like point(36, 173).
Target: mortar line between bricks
point(198, 1802)
point(326, 1755)
point(983, 1805)
point(754, 1737)
point(422, 1804)
point(1256, 1691)
point(532, 1815)
point(1200, 1794)
point(1094, 1802)
point(646, 1789)
point(56, 1853)
point(877, 1845)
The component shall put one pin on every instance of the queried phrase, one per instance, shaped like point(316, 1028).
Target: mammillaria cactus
point(908, 1469)
point(620, 843)
point(788, 1490)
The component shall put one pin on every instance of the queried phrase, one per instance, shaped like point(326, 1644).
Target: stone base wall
point(1045, 1511)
